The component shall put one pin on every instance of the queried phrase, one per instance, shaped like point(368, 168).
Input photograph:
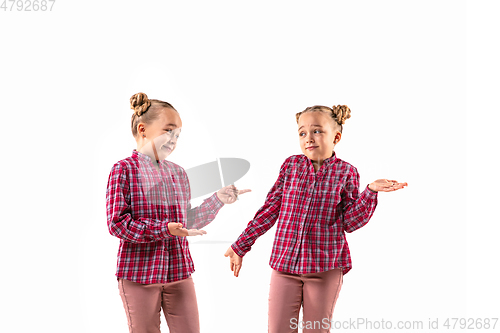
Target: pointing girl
point(149, 210)
point(315, 201)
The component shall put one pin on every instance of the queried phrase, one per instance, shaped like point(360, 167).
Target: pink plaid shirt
point(140, 201)
point(314, 210)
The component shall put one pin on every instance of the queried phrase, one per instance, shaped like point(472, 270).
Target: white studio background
point(421, 79)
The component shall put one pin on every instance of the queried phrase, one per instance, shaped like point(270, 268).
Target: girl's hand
point(229, 194)
point(386, 185)
point(176, 229)
point(234, 261)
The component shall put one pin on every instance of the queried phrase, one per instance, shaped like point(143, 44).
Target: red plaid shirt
point(314, 210)
point(140, 202)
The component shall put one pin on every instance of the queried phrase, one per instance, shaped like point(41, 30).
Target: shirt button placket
point(302, 220)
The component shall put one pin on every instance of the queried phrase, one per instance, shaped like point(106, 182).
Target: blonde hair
point(339, 113)
point(145, 110)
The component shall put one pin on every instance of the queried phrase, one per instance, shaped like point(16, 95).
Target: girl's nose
point(173, 138)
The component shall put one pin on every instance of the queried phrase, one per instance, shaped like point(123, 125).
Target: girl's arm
point(265, 217)
point(358, 208)
point(200, 216)
point(120, 221)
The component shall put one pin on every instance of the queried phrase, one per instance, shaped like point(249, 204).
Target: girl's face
point(160, 135)
point(317, 135)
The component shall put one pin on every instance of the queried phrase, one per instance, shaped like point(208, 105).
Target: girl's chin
point(311, 154)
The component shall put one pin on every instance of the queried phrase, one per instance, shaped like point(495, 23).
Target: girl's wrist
point(371, 189)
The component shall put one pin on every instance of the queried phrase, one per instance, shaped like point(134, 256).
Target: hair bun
point(341, 113)
point(140, 103)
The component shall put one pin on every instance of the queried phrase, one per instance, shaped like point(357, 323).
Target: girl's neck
point(317, 164)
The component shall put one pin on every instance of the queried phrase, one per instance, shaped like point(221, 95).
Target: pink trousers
point(316, 292)
point(143, 304)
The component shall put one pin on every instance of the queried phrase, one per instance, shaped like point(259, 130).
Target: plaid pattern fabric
point(140, 201)
point(314, 210)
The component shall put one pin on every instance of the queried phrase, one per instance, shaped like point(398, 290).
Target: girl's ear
point(337, 138)
point(141, 129)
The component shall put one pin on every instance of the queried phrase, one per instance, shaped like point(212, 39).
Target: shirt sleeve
point(118, 210)
point(358, 208)
point(265, 217)
point(200, 216)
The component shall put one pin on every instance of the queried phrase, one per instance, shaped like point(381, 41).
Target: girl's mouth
point(166, 148)
point(311, 148)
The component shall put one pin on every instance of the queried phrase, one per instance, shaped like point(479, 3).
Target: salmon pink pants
point(316, 292)
point(143, 304)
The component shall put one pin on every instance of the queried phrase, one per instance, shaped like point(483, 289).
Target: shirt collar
point(140, 156)
point(329, 160)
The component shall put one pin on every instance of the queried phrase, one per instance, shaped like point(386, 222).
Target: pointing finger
point(244, 191)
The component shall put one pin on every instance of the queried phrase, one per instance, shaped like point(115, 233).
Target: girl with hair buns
point(149, 210)
point(315, 201)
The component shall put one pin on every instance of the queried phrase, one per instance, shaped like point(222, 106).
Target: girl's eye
point(317, 131)
point(169, 130)
point(301, 134)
